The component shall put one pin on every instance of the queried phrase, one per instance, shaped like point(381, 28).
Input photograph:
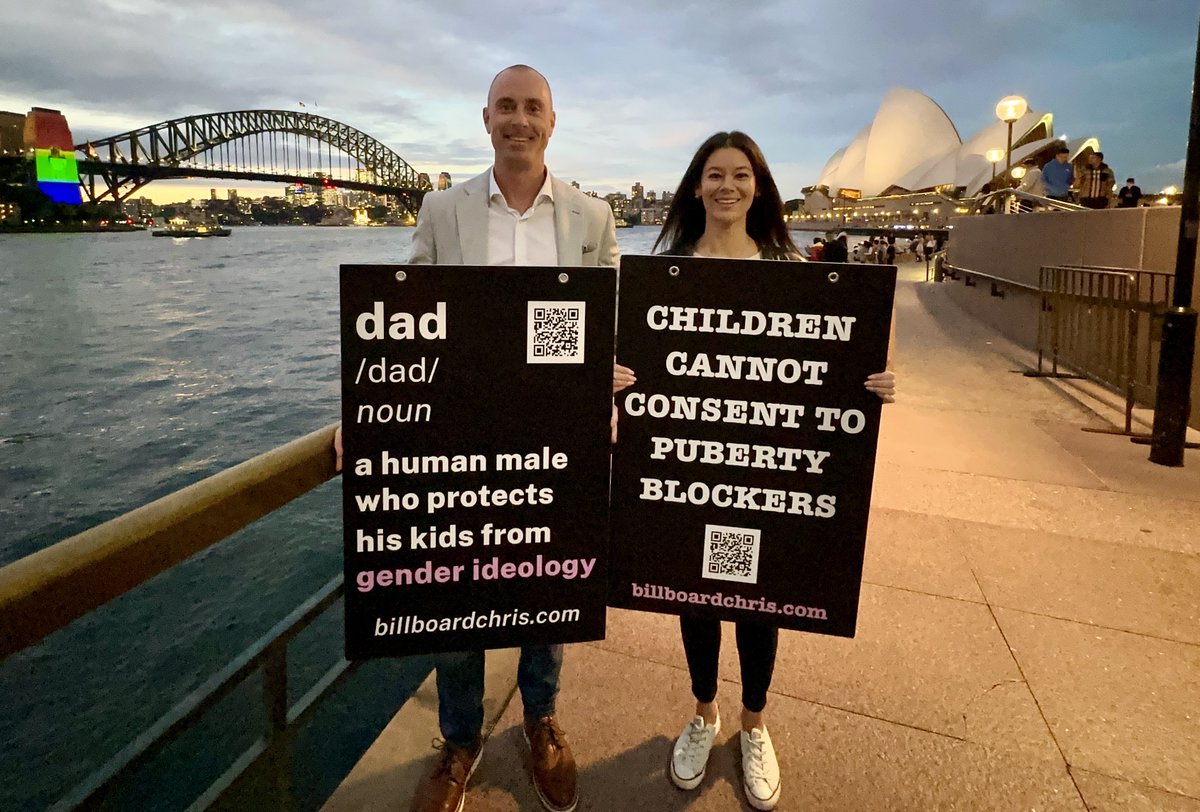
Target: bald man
point(515, 213)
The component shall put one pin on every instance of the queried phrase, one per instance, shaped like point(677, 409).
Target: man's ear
point(487, 121)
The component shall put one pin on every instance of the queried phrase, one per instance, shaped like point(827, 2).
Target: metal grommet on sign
point(562, 277)
point(401, 276)
point(673, 270)
point(833, 277)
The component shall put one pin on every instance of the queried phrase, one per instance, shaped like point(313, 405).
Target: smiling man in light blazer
point(515, 213)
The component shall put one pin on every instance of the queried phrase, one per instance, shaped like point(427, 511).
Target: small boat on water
point(192, 231)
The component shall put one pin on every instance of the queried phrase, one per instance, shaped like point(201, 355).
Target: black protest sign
point(742, 473)
point(475, 406)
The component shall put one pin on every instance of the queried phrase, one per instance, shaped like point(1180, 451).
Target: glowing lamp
point(995, 155)
point(1011, 108)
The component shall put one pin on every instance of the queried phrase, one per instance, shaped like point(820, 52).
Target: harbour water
point(133, 367)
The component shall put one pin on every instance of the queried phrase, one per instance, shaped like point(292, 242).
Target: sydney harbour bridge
point(252, 145)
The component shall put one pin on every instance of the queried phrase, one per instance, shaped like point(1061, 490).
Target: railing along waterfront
point(45, 591)
point(1099, 322)
point(1102, 323)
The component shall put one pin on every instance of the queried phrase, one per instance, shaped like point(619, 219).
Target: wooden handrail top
point(45, 591)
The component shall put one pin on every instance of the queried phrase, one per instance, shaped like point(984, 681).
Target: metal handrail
point(1034, 201)
point(269, 652)
point(44, 591)
point(967, 272)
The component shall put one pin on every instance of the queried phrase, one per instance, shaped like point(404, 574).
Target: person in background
point(1058, 175)
point(816, 249)
point(1096, 182)
point(1129, 195)
point(835, 250)
point(1032, 182)
point(728, 206)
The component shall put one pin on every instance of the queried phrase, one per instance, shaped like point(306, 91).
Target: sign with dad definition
point(475, 413)
point(746, 449)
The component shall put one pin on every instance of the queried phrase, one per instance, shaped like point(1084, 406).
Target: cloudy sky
point(637, 84)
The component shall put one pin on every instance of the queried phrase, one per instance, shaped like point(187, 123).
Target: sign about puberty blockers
point(475, 410)
point(746, 449)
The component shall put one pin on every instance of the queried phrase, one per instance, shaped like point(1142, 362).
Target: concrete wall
point(1016, 246)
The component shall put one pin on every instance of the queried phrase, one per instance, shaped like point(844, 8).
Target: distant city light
point(1170, 190)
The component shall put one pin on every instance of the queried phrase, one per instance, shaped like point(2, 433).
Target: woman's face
point(727, 185)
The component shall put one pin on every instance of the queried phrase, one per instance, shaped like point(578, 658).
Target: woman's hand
point(623, 377)
point(883, 384)
point(337, 449)
point(612, 426)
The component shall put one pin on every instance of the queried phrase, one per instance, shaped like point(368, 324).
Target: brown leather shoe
point(553, 765)
point(445, 789)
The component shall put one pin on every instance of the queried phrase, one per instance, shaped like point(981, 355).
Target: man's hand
point(337, 449)
point(883, 384)
point(623, 377)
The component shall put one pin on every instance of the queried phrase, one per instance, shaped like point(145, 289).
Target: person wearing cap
point(1058, 175)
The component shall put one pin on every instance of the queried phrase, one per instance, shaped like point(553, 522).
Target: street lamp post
point(1009, 110)
point(1172, 402)
point(994, 155)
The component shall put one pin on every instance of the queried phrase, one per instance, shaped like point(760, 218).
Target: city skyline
point(632, 106)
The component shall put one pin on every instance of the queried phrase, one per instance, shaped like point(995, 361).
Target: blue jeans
point(460, 689)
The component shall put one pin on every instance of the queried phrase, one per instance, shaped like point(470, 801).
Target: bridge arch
point(128, 159)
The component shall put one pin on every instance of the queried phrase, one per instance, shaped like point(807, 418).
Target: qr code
point(731, 553)
point(555, 333)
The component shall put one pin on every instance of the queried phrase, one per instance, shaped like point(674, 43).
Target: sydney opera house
point(911, 145)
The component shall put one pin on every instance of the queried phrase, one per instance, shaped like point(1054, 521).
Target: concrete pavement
point(1028, 630)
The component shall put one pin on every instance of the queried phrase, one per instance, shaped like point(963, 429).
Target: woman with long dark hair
point(727, 205)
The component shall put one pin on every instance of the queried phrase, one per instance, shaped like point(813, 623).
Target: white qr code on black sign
point(555, 334)
point(731, 553)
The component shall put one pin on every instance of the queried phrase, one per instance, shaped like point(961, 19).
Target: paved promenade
point(1029, 630)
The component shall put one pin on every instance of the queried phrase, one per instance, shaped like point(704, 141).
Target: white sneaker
point(690, 757)
point(760, 769)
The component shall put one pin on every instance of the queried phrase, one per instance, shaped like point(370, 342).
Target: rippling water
point(132, 367)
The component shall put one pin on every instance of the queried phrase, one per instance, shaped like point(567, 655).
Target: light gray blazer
point(452, 228)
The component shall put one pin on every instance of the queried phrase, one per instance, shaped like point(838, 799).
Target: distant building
point(10, 213)
point(47, 134)
point(618, 202)
point(636, 193)
point(212, 194)
point(232, 194)
point(12, 132)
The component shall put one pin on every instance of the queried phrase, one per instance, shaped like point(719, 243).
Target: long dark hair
point(764, 222)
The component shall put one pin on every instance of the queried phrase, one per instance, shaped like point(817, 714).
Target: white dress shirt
point(521, 238)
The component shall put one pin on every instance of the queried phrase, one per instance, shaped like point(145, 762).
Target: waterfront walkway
point(1029, 630)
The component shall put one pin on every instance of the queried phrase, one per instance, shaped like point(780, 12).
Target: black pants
point(756, 645)
point(1094, 202)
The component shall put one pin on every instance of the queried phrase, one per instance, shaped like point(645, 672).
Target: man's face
point(1061, 157)
point(519, 116)
point(1093, 160)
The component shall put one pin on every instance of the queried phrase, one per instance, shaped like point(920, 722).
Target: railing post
point(275, 705)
